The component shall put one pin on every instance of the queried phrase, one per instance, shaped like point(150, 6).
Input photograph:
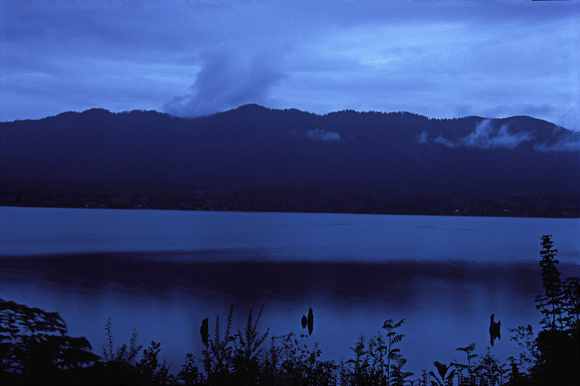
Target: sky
point(442, 59)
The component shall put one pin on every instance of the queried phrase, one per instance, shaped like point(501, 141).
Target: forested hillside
point(254, 158)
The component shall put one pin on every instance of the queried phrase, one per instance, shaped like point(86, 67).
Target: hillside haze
point(254, 158)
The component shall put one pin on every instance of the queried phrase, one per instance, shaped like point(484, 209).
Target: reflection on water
point(446, 304)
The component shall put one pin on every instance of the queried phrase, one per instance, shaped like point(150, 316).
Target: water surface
point(164, 271)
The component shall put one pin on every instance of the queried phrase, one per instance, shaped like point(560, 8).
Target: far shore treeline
point(258, 159)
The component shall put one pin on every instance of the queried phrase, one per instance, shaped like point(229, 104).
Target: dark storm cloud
point(441, 59)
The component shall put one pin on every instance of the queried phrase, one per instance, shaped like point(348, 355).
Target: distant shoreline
point(447, 211)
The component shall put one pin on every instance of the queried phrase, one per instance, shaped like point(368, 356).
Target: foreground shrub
point(556, 348)
point(35, 347)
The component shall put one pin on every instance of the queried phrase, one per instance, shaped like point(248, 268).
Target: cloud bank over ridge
point(226, 81)
point(489, 135)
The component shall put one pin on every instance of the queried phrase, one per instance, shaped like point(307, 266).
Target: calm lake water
point(162, 272)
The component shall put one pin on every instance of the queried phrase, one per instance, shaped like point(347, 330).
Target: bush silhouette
point(35, 347)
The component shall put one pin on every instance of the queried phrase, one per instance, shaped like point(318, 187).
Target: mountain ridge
point(257, 158)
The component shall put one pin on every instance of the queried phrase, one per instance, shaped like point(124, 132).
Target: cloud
point(323, 135)
point(573, 145)
point(487, 136)
point(484, 136)
point(565, 141)
point(570, 119)
point(226, 81)
point(439, 59)
point(444, 141)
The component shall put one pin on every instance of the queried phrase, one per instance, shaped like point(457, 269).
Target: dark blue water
point(162, 272)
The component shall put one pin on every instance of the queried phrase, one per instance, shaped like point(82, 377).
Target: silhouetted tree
point(557, 344)
point(35, 347)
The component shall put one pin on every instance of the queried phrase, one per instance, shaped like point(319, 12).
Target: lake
point(162, 272)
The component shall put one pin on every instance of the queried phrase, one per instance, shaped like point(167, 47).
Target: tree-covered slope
point(254, 158)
